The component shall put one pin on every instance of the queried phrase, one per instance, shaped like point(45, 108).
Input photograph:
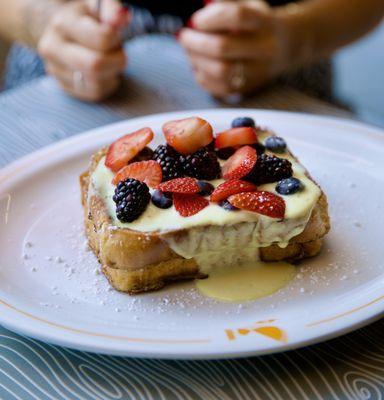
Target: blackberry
point(169, 160)
point(259, 147)
point(270, 168)
point(131, 198)
point(211, 146)
point(144, 155)
point(201, 165)
point(225, 152)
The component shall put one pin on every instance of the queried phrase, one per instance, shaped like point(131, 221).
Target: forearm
point(319, 27)
point(25, 20)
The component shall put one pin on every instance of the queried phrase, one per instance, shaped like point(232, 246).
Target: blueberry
point(161, 200)
point(289, 186)
point(243, 121)
point(227, 205)
point(276, 144)
point(206, 188)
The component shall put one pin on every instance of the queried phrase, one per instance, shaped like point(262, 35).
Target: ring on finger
point(78, 81)
point(238, 79)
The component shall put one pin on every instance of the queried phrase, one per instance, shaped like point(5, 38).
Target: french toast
point(240, 222)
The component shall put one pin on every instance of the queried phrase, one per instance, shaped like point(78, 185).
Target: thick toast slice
point(136, 261)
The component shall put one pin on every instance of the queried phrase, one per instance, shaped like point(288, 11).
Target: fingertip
point(198, 18)
point(115, 15)
point(180, 34)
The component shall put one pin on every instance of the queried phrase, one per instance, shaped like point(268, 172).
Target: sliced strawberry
point(262, 202)
point(240, 163)
point(127, 147)
point(148, 172)
point(180, 185)
point(236, 137)
point(189, 204)
point(188, 135)
point(233, 186)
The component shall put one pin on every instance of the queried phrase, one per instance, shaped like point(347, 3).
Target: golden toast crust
point(136, 262)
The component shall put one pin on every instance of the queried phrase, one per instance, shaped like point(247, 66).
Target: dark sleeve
point(182, 9)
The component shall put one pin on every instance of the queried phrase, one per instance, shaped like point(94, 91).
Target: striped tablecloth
point(158, 79)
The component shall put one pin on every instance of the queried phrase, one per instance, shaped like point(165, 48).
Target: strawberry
point(180, 185)
point(240, 163)
point(228, 188)
point(127, 147)
point(236, 137)
point(148, 172)
point(188, 135)
point(262, 202)
point(189, 204)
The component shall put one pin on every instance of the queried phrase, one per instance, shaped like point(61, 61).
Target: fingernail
point(191, 24)
point(206, 2)
point(124, 12)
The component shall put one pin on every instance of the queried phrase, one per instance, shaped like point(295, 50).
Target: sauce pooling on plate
point(246, 282)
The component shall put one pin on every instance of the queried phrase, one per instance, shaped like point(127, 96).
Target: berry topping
point(259, 147)
point(262, 202)
point(162, 200)
point(240, 164)
point(189, 204)
point(206, 188)
point(289, 186)
point(211, 146)
point(243, 121)
point(236, 137)
point(270, 168)
point(144, 155)
point(148, 172)
point(131, 198)
point(188, 135)
point(202, 164)
point(228, 188)
point(169, 160)
point(180, 185)
point(276, 144)
point(225, 152)
point(126, 148)
point(227, 206)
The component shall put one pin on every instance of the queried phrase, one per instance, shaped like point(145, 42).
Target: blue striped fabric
point(38, 114)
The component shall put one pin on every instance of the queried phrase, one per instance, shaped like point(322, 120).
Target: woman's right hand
point(83, 53)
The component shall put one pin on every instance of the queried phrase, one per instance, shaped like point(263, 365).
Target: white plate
point(56, 294)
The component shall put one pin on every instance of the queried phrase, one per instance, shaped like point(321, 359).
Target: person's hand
point(84, 54)
point(237, 47)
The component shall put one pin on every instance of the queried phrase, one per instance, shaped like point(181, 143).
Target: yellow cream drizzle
point(246, 282)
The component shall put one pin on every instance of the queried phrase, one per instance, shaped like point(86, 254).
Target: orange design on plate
point(270, 331)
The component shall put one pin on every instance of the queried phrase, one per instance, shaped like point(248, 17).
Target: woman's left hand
point(237, 47)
